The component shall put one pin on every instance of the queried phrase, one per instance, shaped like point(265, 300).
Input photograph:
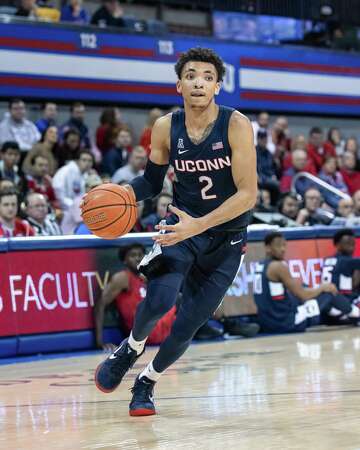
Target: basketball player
point(284, 305)
point(340, 268)
point(202, 244)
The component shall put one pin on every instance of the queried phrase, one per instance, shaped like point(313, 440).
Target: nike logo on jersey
point(182, 151)
point(235, 242)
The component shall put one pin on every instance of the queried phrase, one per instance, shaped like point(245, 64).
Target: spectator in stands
point(37, 214)
point(280, 139)
point(69, 180)
point(350, 172)
point(312, 213)
point(9, 170)
point(138, 227)
point(263, 202)
point(127, 288)
point(351, 145)
point(117, 156)
point(27, 8)
point(299, 142)
point(10, 225)
point(17, 128)
point(334, 142)
point(106, 134)
point(266, 167)
point(345, 208)
point(300, 163)
point(72, 216)
point(109, 15)
point(315, 149)
point(76, 121)
point(356, 199)
point(162, 203)
point(39, 180)
point(145, 138)
point(49, 117)
point(331, 175)
point(74, 12)
point(69, 149)
point(289, 206)
point(261, 124)
point(284, 305)
point(47, 148)
point(134, 168)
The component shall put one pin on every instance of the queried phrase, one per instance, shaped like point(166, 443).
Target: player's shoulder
point(121, 278)
point(238, 119)
point(163, 122)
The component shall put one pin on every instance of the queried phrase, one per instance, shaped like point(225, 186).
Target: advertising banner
point(92, 64)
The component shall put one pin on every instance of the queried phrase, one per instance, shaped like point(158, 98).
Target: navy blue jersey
point(203, 177)
point(277, 307)
point(339, 270)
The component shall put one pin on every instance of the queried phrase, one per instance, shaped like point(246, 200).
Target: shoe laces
point(122, 360)
point(142, 390)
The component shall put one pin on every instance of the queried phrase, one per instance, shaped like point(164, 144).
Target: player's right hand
point(330, 288)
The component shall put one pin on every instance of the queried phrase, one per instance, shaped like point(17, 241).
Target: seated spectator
point(138, 227)
point(17, 128)
point(128, 288)
point(49, 117)
point(261, 124)
point(69, 180)
point(145, 138)
point(350, 172)
point(284, 305)
point(72, 216)
point(266, 168)
point(280, 139)
point(74, 12)
point(117, 156)
point(47, 13)
point(109, 15)
point(316, 150)
point(134, 168)
point(40, 181)
point(47, 148)
point(69, 149)
point(312, 213)
point(289, 206)
point(331, 175)
point(162, 203)
point(263, 202)
point(27, 8)
point(356, 199)
point(351, 145)
point(300, 163)
point(10, 225)
point(37, 214)
point(341, 267)
point(299, 143)
point(334, 142)
point(345, 208)
point(9, 170)
point(107, 132)
point(77, 122)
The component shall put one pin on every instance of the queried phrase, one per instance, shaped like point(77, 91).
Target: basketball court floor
point(285, 392)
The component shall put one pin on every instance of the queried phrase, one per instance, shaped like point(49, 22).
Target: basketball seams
point(111, 223)
point(113, 192)
point(105, 206)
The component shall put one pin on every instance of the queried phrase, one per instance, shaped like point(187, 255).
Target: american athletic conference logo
point(180, 143)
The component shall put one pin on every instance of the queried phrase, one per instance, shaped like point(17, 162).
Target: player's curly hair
point(204, 55)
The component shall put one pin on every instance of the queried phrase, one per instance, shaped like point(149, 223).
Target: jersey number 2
point(208, 185)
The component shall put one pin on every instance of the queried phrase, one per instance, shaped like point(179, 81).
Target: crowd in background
point(47, 166)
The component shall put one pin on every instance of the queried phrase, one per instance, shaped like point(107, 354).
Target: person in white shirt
point(69, 180)
point(134, 168)
point(15, 127)
point(37, 209)
point(261, 124)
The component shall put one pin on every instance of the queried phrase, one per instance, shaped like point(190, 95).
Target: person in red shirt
point(128, 288)
point(10, 225)
point(316, 150)
point(300, 163)
point(145, 138)
point(350, 172)
point(110, 123)
point(40, 181)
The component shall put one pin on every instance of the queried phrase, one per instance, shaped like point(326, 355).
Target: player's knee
point(159, 300)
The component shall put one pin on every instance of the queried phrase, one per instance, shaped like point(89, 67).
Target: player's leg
point(166, 273)
point(203, 291)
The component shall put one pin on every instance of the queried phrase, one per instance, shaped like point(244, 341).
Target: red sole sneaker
point(101, 388)
point(141, 412)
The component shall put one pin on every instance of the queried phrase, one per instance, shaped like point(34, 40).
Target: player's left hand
point(187, 227)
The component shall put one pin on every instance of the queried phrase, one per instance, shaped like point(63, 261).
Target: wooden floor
point(286, 392)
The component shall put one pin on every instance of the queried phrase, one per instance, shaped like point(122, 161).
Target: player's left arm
point(243, 164)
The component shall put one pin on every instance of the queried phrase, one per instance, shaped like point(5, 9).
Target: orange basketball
point(109, 210)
